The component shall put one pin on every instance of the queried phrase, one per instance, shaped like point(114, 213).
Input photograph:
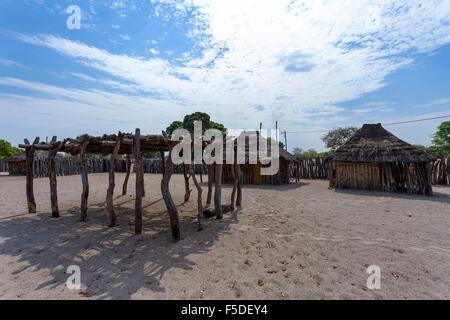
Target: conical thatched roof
point(22, 156)
point(281, 152)
point(373, 143)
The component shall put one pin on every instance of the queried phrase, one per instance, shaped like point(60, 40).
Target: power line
point(386, 124)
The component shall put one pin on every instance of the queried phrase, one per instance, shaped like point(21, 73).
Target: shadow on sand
point(114, 262)
point(437, 196)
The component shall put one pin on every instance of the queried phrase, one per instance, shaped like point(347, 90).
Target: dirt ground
point(298, 241)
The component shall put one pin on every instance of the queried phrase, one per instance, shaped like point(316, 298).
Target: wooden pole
point(52, 176)
point(239, 188)
point(110, 191)
point(187, 191)
point(139, 183)
point(171, 208)
point(209, 195)
point(218, 191)
point(199, 198)
point(235, 179)
point(163, 162)
point(29, 152)
point(84, 181)
point(127, 176)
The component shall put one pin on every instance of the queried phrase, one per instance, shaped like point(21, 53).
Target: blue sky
point(310, 65)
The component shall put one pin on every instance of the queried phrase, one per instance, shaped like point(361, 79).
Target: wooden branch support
point(171, 208)
point(236, 182)
point(84, 181)
point(52, 175)
point(218, 191)
point(239, 188)
point(199, 198)
point(139, 183)
point(29, 152)
point(127, 176)
point(187, 191)
point(209, 196)
point(110, 192)
point(163, 162)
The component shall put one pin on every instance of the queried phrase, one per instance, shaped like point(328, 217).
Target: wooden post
point(139, 183)
point(171, 208)
point(52, 175)
point(218, 191)
point(187, 191)
point(163, 162)
point(239, 188)
point(110, 192)
point(208, 197)
point(127, 176)
point(29, 152)
point(235, 179)
point(84, 181)
point(199, 198)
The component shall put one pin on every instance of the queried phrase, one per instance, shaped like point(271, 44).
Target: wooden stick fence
point(71, 166)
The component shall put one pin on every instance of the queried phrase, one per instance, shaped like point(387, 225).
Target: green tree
point(174, 126)
point(337, 137)
point(188, 123)
point(281, 144)
point(6, 150)
point(441, 138)
point(310, 153)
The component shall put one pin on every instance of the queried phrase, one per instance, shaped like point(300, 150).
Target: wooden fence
point(317, 169)
point(71, 166)
point(441, 171)
point(307, 168)
point(3, 167)
point(310, 169)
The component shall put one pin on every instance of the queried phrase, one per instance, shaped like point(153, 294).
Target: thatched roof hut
point(16, 163)
point(373, 158)
point(252, 172)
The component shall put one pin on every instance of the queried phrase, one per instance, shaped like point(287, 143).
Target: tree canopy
point(441, 138)
point(6, 150)
point(281, 144)
point(337, 137)
point(188, 123)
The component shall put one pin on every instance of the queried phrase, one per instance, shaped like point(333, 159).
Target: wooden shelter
point(375, 159)
point(17, 162)
point(251, 172)
point(121, 143)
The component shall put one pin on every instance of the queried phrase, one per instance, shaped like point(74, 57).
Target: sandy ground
point(300, 241)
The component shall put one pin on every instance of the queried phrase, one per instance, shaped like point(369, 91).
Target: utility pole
point(285, 140)
point(260, 127)
point(276, 131)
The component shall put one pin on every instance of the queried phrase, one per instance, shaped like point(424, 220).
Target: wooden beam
point(218, 191)
point(199, 198)
point(110, 191)
point(171, 208)
point(127, 176)
point(139, 183)
point(29, 152)
point(84, 180)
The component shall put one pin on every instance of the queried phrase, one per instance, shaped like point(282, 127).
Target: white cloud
point(438, 102)
point(296, 59)
point(125, 37)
